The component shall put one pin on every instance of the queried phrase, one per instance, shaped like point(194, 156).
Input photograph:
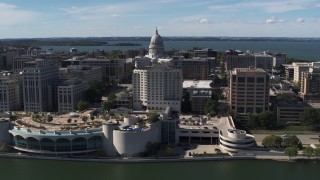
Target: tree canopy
point(292, 141)
point(212, 107)
point(291, 152)
point(94, 93)
point(264, 120)
point(152, 117)
point(49, 118)
point(308, 151)
point(310, 116)
point(107, 105)
point(272, 141)
point(82, 105)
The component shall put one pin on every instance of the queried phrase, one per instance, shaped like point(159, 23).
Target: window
point(241, 79)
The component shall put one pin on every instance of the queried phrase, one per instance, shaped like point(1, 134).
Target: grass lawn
point(298, 128)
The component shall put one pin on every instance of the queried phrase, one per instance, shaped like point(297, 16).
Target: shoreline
point(159, 160)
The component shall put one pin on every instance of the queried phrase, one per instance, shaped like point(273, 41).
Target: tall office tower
point(38, 86)
point(310, 85)
point(157, 87)
point(249, 90)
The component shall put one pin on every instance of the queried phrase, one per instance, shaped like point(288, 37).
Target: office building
point(263, 61)
point(113, 70)
point(249, 90)
point(38, 86)
point(83, 72)
point(239, 61)
point(156, 87)
point(310, 85)
point(279, 59)
point(19, 62)
point(199, 93)
point(69, 93)
point(10, 93)
point(204, 53)
point(299, 68)
point(196, 68)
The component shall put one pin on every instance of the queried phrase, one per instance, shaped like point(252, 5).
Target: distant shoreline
point(103, 40)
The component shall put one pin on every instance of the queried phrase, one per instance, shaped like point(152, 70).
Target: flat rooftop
point(205, 122)
point(201, 84)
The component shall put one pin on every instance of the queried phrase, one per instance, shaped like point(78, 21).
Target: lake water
point(301, 50)
point(18, 169)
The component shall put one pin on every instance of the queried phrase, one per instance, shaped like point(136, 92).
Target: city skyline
point(97, 18)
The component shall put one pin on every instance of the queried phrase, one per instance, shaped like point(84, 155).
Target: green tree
point(233, 114)
point(152, 117)
point(272, 141)
point(264, 120)
point(291, 152)
point(84, 119)
point(82, 105)
point(317, 152)
point(49, 118)
point(308, 151)
point(310, 115)
point(212, 107)
point(253, 121)
point(94, 93)
point(292, 141)
point(107, 105)
point(267, 120)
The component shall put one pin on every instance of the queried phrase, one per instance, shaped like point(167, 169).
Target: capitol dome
point(156, 48)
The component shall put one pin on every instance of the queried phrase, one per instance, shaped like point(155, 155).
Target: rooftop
point(201, 84)
point(204, 122)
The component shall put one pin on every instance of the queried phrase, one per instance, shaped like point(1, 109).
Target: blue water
point(20, 169)
point(300, 50)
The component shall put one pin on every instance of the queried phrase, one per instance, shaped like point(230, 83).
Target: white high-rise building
point(157, 87)
point(38, 86)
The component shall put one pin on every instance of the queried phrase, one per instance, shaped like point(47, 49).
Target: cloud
point(273, 20)
point(115, 15)
point(138, 27)
point(11, 15)
point(204, 21)
point(114, 10)
point(300, 20)
point(271, 6)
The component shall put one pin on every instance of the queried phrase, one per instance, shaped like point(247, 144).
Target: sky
point(108, 18)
